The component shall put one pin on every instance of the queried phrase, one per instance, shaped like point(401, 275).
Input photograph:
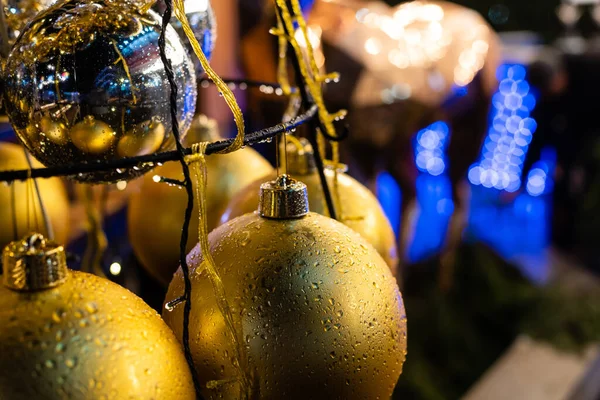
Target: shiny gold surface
point(360, 209)
point(87, 339)
point(26, 211)
point(85, 83)
point(144, 138)
point(92, 136)
point(55, 131)
point(34, 263)
point(283, 198)
point(316, 306)
point(155, 213)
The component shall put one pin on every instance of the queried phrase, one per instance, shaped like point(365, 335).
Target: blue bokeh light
point(517, 229)
point(510, 132)
point(430, 148)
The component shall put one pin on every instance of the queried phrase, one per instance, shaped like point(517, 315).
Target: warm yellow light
point(115, 268)
point(373, 46)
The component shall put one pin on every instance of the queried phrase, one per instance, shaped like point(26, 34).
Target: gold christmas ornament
point(360, 209)
point(25, 213)
point(85, 83)
point(156, 211)
point(316, 308)
point(72, 335)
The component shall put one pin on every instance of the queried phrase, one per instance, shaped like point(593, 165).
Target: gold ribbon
point(227, 94)
point(197, 163)
point(312, 77)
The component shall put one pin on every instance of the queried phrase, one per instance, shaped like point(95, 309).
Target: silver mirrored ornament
point(202, 21)
point(85, 83)
point(17, 13)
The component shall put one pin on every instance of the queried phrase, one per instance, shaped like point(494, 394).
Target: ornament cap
point(300, 157)
point(34, 263)
point(283, 198)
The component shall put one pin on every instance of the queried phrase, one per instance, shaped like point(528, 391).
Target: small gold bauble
point(360, 209)
point(55, 131)
point(144, 138)
point(155, 212)
point(92, 136)
point(72, 335)
point(26, 211)
point(316, 308)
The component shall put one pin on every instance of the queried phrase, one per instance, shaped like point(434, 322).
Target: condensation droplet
point(71, 362)
point(92, 308)
point(60, 347)
point(58, 315)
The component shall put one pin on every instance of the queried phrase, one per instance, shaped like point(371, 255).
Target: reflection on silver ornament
point(85, 83)
point(202, 21)
point(18, 13)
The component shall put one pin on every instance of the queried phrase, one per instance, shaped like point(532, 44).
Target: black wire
point(313, 124)
point(130, 162)
point(187, 306)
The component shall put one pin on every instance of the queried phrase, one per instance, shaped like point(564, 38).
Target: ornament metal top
point(85, 83)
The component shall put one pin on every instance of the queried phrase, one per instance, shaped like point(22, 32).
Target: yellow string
point(312, 77)
point(227, 94)
point(97, 242)
point(282, 72)
point(197, 163)
point(310, 73)
point(296, 142)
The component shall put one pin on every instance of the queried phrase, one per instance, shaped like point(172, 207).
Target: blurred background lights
point(539, 179)
point(115, 268)
point(511, 130)
point(430, 146)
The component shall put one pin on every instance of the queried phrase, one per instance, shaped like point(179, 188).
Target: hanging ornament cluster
point(155, 211)
point(20, 207)
point(85, 83)
point(315, 310)
point(72, 335)
point(359, 208)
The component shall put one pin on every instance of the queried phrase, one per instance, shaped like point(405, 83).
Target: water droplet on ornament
point(58, 315)
point(60, 347)
point(170, 306)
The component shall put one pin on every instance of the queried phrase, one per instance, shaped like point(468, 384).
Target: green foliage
point(453, 338)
